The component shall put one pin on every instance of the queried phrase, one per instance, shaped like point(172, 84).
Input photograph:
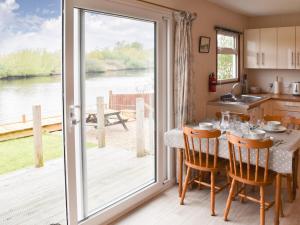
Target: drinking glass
point(225, 122)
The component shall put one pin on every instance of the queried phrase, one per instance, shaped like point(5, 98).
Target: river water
point(18, 96)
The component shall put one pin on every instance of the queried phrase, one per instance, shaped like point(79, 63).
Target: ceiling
point(260, 7)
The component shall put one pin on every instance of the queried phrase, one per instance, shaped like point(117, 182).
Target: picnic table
point(111, 117)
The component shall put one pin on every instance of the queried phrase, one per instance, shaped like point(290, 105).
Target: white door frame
point(163, 19)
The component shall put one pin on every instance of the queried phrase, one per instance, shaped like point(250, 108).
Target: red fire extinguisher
point(212, 83)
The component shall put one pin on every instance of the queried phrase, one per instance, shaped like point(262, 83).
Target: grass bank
point(39, 62)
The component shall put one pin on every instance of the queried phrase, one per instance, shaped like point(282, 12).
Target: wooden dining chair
point(286, 121)
point(243, 117)
point(198, 157)
point(295, 122)
point(243, 170)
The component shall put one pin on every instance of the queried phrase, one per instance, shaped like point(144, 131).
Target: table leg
point(180, 169)
point(277, 199)
point(122, 121)
point(295, 173)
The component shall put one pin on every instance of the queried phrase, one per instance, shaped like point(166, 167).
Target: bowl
point(257, 134)
point(206, 126)
point(273, 125)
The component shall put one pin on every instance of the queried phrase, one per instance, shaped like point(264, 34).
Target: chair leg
point(242, 199)
point(186, 182)
point(212, 193)
point(200, 179)
point(281, 209)
point(228, 177)
point(289, 187)
point(262, 205)
point(296, 168)
point(229, 199)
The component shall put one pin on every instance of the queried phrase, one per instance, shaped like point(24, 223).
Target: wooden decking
point(15, 130)
point(24, 129)
point(36, 196)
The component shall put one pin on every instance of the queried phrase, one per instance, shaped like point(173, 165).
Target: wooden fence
point(127, 101)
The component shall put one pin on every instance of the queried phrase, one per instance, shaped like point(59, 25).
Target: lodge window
point(228, 56)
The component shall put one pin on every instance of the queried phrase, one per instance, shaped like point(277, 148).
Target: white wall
point(209, 15)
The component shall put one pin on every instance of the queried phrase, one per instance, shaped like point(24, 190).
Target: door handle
point(298, 56)
point(263, 58)
point(292, 58)
point(75, 114)
point(257, 58)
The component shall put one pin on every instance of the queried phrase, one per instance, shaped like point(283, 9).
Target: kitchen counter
point(282, 97)
point(246, 106)
point(269, 104)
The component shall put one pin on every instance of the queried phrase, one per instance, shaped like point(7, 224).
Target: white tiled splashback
point(263, 77)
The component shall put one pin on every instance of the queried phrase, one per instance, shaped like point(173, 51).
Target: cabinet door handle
point(263, 58)
point(298, 56)
point(292, 58)
point(257, 58)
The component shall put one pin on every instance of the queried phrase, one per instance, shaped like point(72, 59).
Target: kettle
point(296, 88)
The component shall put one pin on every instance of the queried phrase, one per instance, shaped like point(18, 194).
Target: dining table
point(283, 158)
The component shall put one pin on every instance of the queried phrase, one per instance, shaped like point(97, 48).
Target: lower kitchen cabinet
point(286, 108)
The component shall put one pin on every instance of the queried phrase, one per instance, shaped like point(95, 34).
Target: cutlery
point(279, 143)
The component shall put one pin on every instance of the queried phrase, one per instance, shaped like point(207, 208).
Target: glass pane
point(226, 41)
point(31, 166)
point(227, 66)
point(119, 90)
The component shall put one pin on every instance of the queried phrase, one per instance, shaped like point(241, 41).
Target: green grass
point(17, 154)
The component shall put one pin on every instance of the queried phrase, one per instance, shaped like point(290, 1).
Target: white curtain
point(183, 104)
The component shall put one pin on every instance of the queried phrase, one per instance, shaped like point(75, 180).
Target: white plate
point(279, 129)
point(205, 126)
point(247, 136)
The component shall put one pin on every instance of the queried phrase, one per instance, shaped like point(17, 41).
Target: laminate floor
point(165, 210)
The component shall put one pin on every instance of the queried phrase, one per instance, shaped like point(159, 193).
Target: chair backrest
point(243, 117)
point(273, 118)
point(193, 140)
point(241, 150)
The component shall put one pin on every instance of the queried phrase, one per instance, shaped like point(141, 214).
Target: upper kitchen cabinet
point(286, 48)
point(260, 48)
point(251, 40)
point(297, 47)
point(268, 42)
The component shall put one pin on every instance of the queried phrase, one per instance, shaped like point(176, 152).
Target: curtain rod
point(163, 6)
point(226, 29)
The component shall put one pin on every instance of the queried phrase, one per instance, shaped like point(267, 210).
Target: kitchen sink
point(243, 99)
point(249, 98)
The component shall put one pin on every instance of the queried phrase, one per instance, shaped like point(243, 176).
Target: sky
point(36, 24)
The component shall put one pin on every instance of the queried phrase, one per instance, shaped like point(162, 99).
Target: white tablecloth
point(281, 156)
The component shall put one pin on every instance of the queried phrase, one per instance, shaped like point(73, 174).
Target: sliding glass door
point(32, 178)
point(82, 135)
point(116, 94)
point(116, 104)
